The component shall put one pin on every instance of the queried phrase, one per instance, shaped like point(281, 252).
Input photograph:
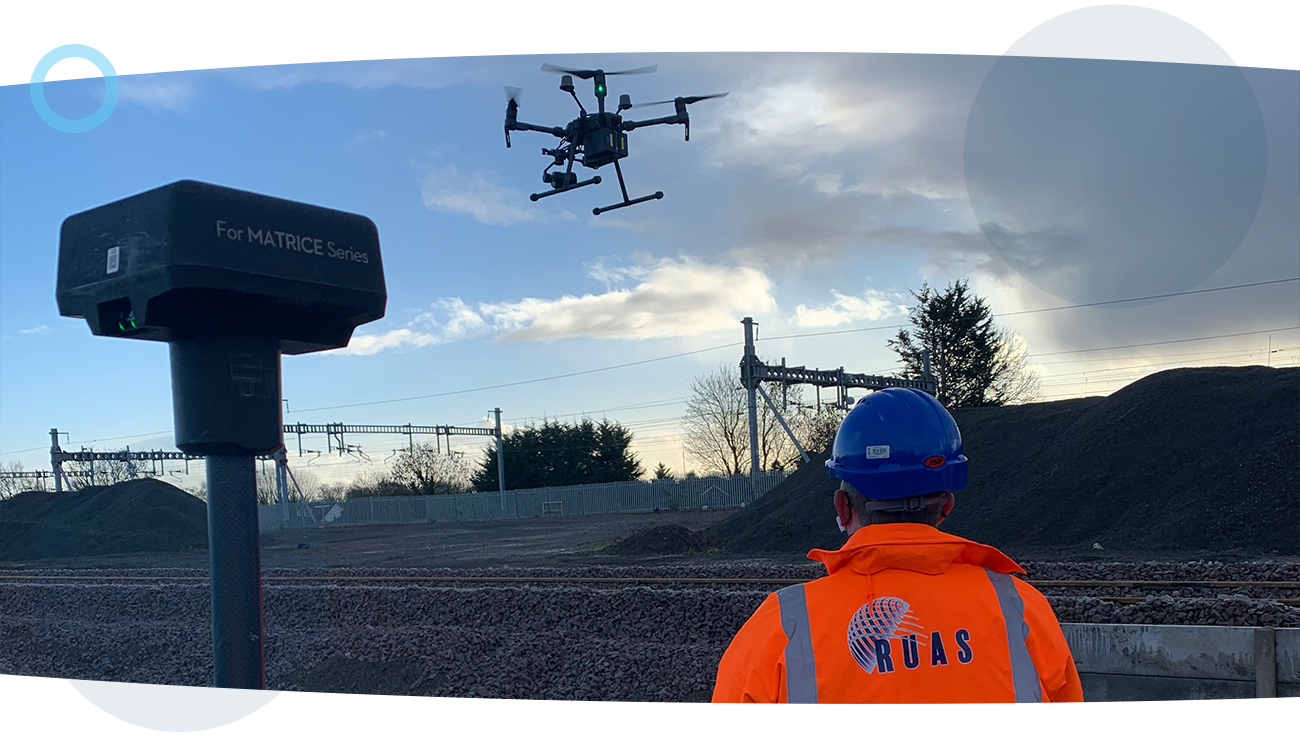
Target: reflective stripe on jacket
point(906, 614)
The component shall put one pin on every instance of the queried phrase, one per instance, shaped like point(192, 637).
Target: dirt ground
point(568, 541)
point(556, 541)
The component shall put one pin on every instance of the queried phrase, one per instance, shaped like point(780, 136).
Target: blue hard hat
point(898, 443)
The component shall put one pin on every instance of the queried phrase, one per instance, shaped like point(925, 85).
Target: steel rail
point(647, 581)
point(1183, 584)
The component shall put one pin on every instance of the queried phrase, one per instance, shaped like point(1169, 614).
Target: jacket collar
point(910, 546)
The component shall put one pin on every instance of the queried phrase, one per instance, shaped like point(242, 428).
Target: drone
point(594, 140)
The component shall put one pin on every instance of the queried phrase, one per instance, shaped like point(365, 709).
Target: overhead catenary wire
point(526, 381)
point(571, 374)
point(807, 335)
point(1048, 309)
point(1165, 342)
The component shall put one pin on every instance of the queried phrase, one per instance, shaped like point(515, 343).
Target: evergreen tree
point(558, 454)
point(974, 364)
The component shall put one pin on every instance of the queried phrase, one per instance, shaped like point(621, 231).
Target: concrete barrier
point(1138, 662)
point(1288, 662)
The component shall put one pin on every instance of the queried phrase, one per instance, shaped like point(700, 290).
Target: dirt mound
point(143, 515)
point(795, 516)
point(1193, 460)
point(669, 539)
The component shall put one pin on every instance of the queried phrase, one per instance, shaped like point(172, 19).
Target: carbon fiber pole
point(236, 575)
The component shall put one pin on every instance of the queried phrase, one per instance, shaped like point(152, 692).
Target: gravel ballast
point(659, 642)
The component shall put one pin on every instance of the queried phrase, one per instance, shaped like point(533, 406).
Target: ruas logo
point(875, 623)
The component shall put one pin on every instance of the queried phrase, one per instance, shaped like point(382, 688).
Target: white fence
point(704, 493)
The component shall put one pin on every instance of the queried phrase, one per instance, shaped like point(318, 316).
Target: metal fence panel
point(703, 493)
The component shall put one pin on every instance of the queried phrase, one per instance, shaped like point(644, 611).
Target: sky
point(814, 198)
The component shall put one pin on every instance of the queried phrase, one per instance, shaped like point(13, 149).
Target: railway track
point(1159, 585)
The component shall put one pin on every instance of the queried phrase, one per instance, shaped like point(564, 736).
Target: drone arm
point(521, 126)
point(674, 119)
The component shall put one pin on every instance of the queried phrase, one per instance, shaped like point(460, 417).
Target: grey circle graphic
point(1098, 179)
point(173, 708)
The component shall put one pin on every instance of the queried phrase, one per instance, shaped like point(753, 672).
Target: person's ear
point(842, 507)
point(948, 502)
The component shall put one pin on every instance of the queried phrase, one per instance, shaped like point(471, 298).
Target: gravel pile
point(1225, 610)
point(575, 642)
point(669, 539)
point(1270, 571)
point(143, 515)
point(1195, 460)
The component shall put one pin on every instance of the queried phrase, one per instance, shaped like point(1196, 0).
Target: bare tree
point(716, 424)
point(716, 432)
point(1015, 380)
point(308, 486)
point(427, 471)
point(820, 427)
point(12, 485)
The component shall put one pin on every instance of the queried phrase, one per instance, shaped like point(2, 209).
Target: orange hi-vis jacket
point(906, 614)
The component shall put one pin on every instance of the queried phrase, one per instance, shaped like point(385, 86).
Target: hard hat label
point(877, 452)
point(934, 462)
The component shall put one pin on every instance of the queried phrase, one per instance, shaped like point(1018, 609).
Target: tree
point(820, 428)
point(974, 364)
point(333, 491)
point(1015, 381)
point(425, 470)
point(371, 485)
point(716, 424)
point(10, 486)
point(663, 472)
point(308, 487)
point(556, 454)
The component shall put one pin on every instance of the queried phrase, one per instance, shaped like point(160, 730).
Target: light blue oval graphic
point(74, 51)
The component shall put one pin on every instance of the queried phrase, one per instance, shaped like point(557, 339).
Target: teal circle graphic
point(74, 51)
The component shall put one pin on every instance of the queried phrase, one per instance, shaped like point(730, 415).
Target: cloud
point(662, 299)
point(477, 195)
point(458, 322)
point(872, 305)
point(367, 136)
point(368, 345)
point(38, 330)
point(893, 121)
point(832, 184)
point(829, 147)
point(156, 93)
point(785, 122)
point(461, 321)
point(674, 298)
point(614, 275)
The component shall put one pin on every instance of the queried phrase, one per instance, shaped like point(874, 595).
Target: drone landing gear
point(564, 189)
point(600, 210)
point(626, 201)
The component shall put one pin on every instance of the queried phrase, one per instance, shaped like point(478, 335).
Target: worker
point(906, 613)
